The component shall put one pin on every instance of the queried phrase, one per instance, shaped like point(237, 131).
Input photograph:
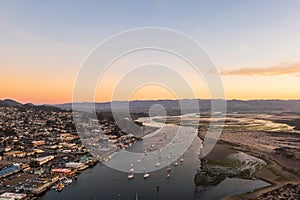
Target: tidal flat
point(273, 138)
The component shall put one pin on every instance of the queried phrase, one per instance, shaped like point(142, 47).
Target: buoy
point(157, 188)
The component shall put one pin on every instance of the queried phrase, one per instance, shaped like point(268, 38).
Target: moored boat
point(146, 175)
point(130, 176)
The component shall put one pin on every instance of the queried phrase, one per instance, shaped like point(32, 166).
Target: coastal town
point(41, 150)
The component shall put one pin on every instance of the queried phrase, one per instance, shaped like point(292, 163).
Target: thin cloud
point(288, 69)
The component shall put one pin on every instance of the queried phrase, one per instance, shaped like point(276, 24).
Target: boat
point(168, 175)
point(130, 176)
point(83, 167)
point(169, 169)
point(68, 181)
point(157, 188)
point(181, 160)
point(60, 187)
point(131, 170)
point(157, 164)
point(146, 175)
point(175, 164)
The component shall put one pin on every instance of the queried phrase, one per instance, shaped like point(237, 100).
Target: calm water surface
point(100, 183)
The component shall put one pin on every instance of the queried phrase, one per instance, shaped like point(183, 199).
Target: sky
point(254, 44)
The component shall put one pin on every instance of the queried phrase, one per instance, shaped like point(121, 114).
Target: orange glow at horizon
point(36, 90)
point(52, 90)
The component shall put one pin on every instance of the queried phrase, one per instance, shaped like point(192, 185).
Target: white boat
point(169, 169)
point(68, 181)
point(131, 170)
point(181, 160)
point(146, 175)
point(130, 176)
point(157, 164)
point(168, 175)
point(175, 164)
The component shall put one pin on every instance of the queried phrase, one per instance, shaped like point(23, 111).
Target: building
point(9, 169)
point(63, 172)
point(18, 154)
point(39, 185)
point(38, 143)
point(12, 196)
point(40, 161)
point(74, 165)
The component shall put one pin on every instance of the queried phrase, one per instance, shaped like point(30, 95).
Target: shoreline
point(278, 173)
point(279, 170)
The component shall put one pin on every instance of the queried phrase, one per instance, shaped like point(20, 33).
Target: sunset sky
point(254, 44)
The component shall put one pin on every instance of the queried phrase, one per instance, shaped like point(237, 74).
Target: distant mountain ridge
point(13, 103)
point(173, 105)
point(204, 104)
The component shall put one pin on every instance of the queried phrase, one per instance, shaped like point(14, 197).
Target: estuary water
point(104, 183)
